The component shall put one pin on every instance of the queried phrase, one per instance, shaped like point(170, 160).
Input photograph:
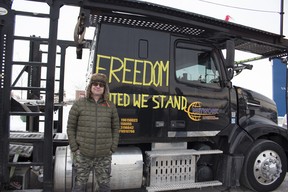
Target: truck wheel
point(264, 167)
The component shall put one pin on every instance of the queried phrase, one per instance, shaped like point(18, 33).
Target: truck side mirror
point(230, 57)
point(230, 53)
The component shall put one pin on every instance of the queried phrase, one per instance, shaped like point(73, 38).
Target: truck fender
point(257, 127)
point(240, 140)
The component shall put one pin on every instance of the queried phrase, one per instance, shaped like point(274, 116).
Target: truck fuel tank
point(126, 169)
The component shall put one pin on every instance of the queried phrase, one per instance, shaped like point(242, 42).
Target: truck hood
point(255, 107)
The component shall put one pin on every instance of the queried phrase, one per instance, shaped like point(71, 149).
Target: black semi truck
point(183, 123)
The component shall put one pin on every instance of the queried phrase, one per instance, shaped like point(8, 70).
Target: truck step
point(24, 164)
point(27, 113)
point(176, 169)
point(22, 150)
point(187, 185)
point(163, 153)
point(26, 137)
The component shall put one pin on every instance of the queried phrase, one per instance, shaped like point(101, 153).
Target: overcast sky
point(261, 14)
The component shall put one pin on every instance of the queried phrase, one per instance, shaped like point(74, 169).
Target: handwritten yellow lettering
point(177, 102)
point(126, 70)
point(148, 64)
point(136, 72)
point(136, 100)
point(123, 99)
point(141, 101)
point(165, 68)
point(120, 99)
point(184, 103)
point(157, 78)
point(99, 61)
point(169, 102)
point(144, 100)
point(113, 71)
point(162, 100)
point(113, 97)
point(156, 102)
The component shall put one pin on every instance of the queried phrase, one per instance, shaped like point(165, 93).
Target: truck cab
point(166, 86)
point(183, 124)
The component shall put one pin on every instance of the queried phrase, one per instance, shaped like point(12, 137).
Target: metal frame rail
point(6, 30)
point(7, 40)
point(45, 142)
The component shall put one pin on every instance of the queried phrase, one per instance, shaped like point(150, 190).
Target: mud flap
point(231, 166)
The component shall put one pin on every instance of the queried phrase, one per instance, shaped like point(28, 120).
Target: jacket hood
point(98, 77)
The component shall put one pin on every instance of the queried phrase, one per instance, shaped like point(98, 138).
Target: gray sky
point(254, 13)
point(259, 14)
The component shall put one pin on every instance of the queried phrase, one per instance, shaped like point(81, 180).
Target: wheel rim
point(267, 167)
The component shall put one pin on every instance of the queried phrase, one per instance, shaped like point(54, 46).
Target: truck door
point(136, 62)
point(200, 102)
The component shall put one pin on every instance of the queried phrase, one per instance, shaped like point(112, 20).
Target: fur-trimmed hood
point(98, 77)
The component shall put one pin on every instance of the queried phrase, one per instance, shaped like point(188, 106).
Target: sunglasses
point(98, 84)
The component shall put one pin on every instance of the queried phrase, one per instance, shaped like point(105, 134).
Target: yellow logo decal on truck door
point(196, 112)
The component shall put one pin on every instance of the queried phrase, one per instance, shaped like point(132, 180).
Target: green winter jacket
point(93, 128)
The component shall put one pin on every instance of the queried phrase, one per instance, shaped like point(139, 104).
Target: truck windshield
point(195, 65)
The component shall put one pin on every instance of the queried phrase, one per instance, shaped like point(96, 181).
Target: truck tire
point(264, 167)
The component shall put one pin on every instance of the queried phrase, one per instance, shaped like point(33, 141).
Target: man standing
point(93, 134)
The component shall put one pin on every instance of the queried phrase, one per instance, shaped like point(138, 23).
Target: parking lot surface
point(282, 188)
